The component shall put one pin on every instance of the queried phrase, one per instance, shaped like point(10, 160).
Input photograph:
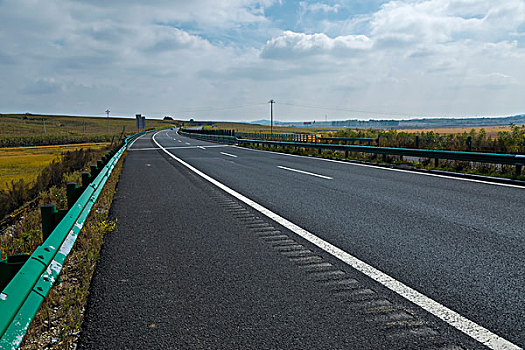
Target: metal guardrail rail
point(210, 137)
point(24, 294)
point(517, 160)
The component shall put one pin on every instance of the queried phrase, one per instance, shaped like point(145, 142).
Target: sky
point(224, 60)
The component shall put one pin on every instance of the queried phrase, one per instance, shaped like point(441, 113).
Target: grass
point(26, 163)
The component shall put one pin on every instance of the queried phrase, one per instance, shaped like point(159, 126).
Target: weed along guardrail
point(25, 280)
point(516, 160)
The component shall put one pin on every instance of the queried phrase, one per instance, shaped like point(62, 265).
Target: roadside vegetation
point(511, 140)
point(58, 322)
point(19, 193)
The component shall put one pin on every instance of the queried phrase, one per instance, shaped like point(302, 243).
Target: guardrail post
point(469, 143)
point(9, 267)
point(48, 212)
point(94, 170)
point(436, 162)
point(71, 194)
point(86, 179)
point(346, 153)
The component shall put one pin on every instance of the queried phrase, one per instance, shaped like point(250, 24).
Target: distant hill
point(420, 123)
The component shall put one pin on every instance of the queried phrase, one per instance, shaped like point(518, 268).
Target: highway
point(458, 242)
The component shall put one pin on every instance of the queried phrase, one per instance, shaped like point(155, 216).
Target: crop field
point(27, 162)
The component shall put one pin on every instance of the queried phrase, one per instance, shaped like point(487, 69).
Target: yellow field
point(26, 162)
point(490, 130)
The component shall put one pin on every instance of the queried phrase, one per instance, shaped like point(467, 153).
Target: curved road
point(459, 242)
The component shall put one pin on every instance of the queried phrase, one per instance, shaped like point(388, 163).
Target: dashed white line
point(187, 143)
point(178, 147)
point(386, 169)
point(229, 155)
point(179, 140)
point(470, 328)
point(305, 172)
point(201, 147)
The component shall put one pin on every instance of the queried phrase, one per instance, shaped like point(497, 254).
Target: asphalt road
point(458, 242)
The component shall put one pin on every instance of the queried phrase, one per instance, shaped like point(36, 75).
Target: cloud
point(172, 39)
point(290, 45)
point(320, 7)
point(440, 21)
point(163, 55)
point(42, 87)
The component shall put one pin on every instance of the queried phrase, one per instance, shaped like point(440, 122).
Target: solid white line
point(387, 169)
point(229, 155)
point(304, 172)
point(472, 329)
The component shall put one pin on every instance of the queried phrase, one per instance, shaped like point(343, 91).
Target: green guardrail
point(517, 160)
point(210, 137)
point(29, 278)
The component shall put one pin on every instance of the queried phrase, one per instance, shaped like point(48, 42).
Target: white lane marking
point(135, 141)
point(179, 140)
point(470, 328)
point(304, 172)
point(179, 147)
point(187, 143)
point(387, 169)
point(229, 155)
point(201, 147)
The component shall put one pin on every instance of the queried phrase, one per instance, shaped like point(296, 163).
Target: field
point(491, 131)
point(26, 162)
point(38, 130)
point(31, 124)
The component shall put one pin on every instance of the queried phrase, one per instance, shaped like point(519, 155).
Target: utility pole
point(107, 112)
point(271, 102)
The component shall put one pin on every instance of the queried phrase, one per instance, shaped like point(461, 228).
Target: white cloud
point(157, 57)
point(440, 21)
point(320, 7)
point(292, 45)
